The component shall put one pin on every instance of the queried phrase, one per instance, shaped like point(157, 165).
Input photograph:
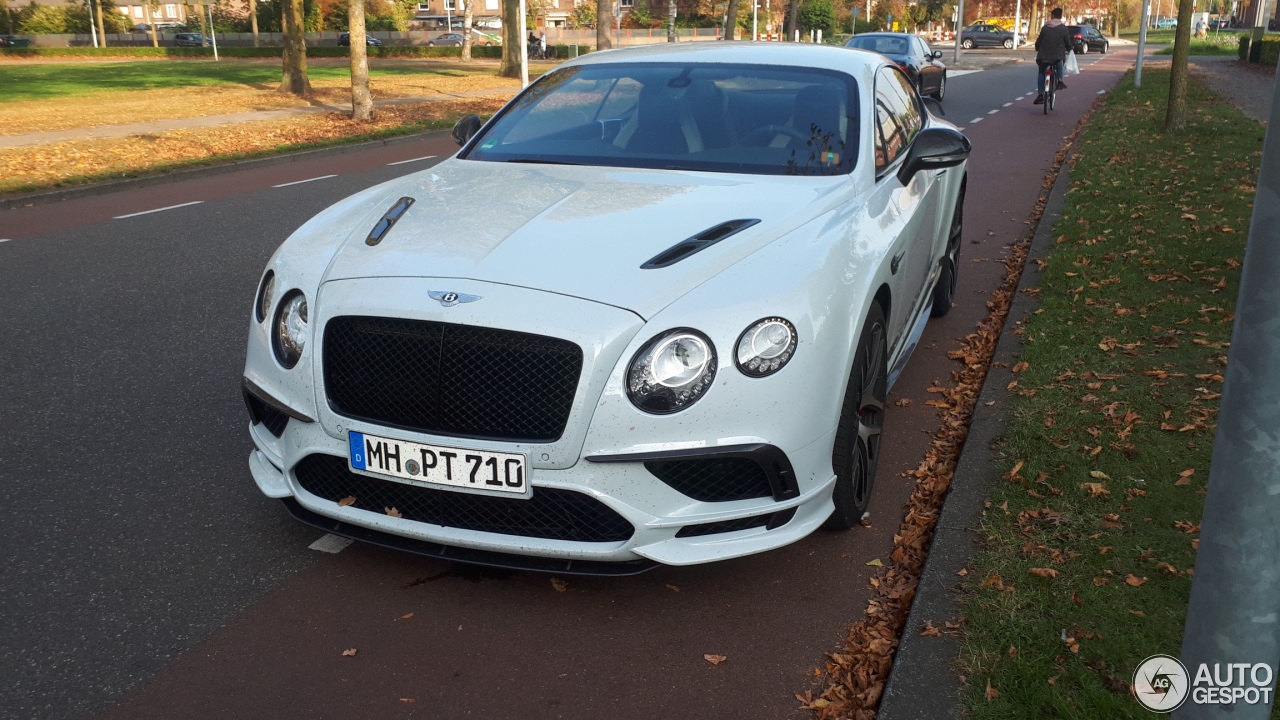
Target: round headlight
point(671, 372)
point(265, 291)
point(290, 335)
point(765, 347)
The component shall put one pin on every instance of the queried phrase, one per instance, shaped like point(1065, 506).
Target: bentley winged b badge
point(450, 298)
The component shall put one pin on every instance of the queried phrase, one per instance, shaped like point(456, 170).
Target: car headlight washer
point(671, 372)
point(289, 332)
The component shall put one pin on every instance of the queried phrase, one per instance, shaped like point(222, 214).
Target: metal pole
point(524, 47)
point(1142, 42)
point(1259, 29)
point(93, 29)
point(755, 16)
point(959, 26)
point(1017, 23)
point(213, 35)
point(1234, 613)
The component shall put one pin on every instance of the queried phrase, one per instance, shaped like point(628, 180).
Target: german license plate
point(438, 464)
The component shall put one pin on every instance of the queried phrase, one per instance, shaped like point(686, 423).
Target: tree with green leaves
point(818, 15)
point(583, 15)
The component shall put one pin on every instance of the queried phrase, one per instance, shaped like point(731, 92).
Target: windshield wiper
point(535, 161)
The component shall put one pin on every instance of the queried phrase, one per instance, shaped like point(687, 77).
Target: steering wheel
point(767, 131)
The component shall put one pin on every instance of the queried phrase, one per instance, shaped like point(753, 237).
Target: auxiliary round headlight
point(263, 305)
point(290, 334)
point(671, 372)
point(765, 347)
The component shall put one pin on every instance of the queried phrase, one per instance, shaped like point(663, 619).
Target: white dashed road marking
point(402, 162)
point(993, 112)
point(299, 182)
point(1102, 92)
point(4, 239)
point(975, 121)
point(148, 212)
point(331, 544)
point(1008, 104)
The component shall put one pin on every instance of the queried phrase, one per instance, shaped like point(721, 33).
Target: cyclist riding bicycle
point(1052, 47)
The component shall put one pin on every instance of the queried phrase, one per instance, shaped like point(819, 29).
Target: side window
point(898, 117)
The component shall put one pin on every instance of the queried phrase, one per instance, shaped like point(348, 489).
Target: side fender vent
point(702, 240)
point(388, 221)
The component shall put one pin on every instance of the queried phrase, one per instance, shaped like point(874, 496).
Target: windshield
point(763, 120)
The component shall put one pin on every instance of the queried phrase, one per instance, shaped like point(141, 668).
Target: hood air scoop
point(388, 220)
point(702, 240)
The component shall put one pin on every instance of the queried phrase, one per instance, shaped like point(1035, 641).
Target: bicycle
point(1049, 86)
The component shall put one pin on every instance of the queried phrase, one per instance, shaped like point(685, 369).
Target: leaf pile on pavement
point(1089, 538)
point(856, 676)
point(44, 166)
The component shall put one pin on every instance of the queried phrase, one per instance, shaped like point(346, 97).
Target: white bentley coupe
point(649, 313)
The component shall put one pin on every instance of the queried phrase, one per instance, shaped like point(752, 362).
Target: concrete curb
point(44, 197)
point(924, 682)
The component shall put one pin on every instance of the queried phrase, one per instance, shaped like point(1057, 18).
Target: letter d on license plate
point(439, 465)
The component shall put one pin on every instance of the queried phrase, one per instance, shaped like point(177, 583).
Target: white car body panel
point(561, 256)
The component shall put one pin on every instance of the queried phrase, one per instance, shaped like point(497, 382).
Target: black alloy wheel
point(944, 292)
point(856, 452)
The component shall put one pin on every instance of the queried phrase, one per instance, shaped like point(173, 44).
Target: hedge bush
point(1266, 52)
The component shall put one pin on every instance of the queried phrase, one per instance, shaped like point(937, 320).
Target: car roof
point(745, 52)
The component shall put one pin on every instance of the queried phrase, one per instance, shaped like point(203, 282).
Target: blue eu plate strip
point(357, 450)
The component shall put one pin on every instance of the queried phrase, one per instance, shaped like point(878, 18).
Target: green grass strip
point(1112, 423)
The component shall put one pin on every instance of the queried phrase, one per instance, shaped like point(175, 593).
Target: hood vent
point(388, 220)
point(702, 240)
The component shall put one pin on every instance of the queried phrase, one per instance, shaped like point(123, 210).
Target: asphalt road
point(146, 577)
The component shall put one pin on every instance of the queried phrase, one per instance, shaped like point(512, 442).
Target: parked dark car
point(189, 40)
point(13, 41)
point(1086, 38)
point(912, 54)
point(369, 40)
point(986, 35)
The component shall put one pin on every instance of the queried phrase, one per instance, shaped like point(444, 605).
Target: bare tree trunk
point(102, 31)
point(511, 39)
point(604, 23)
point(731, 21)
point(253, 20)
point(466, 31)
point(151, 24)
point(793, 13)
point(295, 60)
point(361, 99)
point(671, 21)
point(1175, 118)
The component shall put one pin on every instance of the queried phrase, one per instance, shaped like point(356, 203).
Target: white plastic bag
point(1072, 67)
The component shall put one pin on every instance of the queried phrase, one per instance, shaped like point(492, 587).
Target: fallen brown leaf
point(714, 659)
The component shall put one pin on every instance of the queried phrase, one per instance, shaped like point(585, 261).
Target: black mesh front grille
point(713, 479)
point(551, 514)
point(450, 379)
point(770, 521)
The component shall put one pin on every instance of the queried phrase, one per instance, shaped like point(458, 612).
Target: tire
point(967, 44)
point(1008, 43)
point(1084, 49)
point(944, 292)
point(942, 88)
point(856, 451)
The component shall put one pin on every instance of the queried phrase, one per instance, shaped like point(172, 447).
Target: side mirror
point(937, 54)
point(466, 128)
point(934, 148)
